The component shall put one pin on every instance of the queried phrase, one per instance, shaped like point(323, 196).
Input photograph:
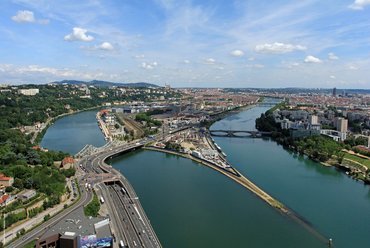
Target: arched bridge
point(267, 104)
point(234, 133)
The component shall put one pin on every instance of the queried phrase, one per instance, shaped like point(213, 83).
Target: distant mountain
point(104, 84)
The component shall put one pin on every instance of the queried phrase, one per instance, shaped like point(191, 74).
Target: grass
point(31, 244)
point(363, 161)
point(92, 209)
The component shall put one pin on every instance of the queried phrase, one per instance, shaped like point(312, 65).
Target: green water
point(190, 205)
point(71, 133)
point(331, 202)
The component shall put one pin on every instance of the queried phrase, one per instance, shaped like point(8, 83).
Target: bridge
point(234, 133)
point(267, 104)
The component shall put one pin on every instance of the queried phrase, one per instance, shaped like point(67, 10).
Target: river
point(190, 205)
point(71, 133)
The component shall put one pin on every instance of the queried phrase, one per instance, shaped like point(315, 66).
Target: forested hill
point(105, 84)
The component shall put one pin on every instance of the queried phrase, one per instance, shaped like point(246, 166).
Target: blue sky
point(208, 43)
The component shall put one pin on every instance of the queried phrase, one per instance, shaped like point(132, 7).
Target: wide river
point(190, 205)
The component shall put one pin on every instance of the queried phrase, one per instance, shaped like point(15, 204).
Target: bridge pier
point(232, 133)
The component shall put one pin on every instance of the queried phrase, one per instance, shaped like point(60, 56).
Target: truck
point(101, 200)
point(121, 244)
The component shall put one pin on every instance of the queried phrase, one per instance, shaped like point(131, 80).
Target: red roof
point(68, 160)
point(4, 178)
point(3, 198)
point(36, 147)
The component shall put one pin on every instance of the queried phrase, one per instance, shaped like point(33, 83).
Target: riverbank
point(315, 146)
point(103, 127)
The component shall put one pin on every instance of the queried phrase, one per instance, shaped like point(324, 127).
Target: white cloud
point(42, 71)
point(278, 48)
point(78, 34)
point(149, 66)
point(353, 67)
point(186, 61)
point(210, 61)
point(106, 46)
point(251, 59)
point(359, 4)
point(332, 77)
point(26, 16)
point(312, 59)
point(258, 66)
point(237, 53)
point(139, 56)
point(332, 56)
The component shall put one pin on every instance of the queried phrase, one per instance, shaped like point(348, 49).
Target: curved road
point(86, 196)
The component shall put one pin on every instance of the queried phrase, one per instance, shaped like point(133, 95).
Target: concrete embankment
point(237, 177)
point(103, 127)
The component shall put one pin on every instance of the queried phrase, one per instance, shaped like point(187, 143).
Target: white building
point(342, 125)
point(314, 120)
point(285, 124)
point(28, 92)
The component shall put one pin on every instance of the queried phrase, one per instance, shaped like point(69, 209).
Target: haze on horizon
point(240, 43)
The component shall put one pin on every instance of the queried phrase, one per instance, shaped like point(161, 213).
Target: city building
point(28, 92)
point(6, 181)
point(50, 241)
point(67, 162)
point(342, 125)
point(334, 92)
point(68, 240)
point(314, 120)
point(5, 199)
point(28, 194)
point(285, 124)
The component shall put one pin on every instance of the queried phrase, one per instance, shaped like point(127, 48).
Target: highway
point(131, 223)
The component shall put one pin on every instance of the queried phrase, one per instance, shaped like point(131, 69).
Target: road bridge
point(132, 224)
point(242, 133)
point(267, 104)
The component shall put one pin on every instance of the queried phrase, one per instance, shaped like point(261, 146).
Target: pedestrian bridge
point(238, 133)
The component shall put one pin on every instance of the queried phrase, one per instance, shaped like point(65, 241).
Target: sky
point(203, 43)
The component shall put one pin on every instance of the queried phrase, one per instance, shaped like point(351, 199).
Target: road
point(38, 231)
point(135, 228)
point(132, 225)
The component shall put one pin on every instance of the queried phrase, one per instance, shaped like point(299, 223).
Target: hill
point(104, 84)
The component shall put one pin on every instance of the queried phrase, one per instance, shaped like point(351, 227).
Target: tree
point(9, 189)
point(18, 183)
point(47, 217)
